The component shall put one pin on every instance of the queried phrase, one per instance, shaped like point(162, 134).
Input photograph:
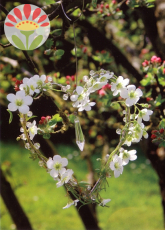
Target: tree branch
point(30, 62)
point(103, 43)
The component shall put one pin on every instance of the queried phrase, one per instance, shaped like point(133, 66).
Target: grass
point(135, 197)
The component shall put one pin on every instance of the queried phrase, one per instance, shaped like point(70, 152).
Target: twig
point(75, 51)
point(5, 46)
point(3, 9)
point(30, 62)
point(64, 12)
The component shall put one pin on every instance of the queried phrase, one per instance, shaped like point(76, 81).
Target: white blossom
point(65, 177)
point(86, 106)
point(32, 129)
point(40, 80)
point(56, 165)
point(104, 202)
point(19, 101)
point(71, 203)
point(128, 156)
point(29, 85)
point(144, 114)
point(119, 85)
point(131, 94)
point(116, 165)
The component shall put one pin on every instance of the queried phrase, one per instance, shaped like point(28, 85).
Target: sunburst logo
point(27, 27)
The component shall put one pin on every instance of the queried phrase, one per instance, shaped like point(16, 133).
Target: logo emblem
point(27, 27)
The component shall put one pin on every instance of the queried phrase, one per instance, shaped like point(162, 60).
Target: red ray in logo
point(27, 10)
point(42, 18)
point(36, 13)
point(17, 12)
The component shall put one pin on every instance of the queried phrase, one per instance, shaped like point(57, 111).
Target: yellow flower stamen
point(27, 25)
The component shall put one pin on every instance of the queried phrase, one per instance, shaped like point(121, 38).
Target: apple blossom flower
point(131, 94)
point(77, 98)
point(32, 129)
point(71, 203)
point(86, 106)
point(29, 86)
point(116, 165)
point(40, 80)
point(119, 85)
point(128, 156)
point(19, 101)
point(104, 202)
point(144, 114)
point(56, 165)
point(65, 177)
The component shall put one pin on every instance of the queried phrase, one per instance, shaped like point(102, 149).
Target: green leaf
point(56, 32)
point(59, 52)
point(57, 118)
point(49, 43)
point(17, 41)
point(145, 81)
point(11, 116)
point(79, 52)
point(94, 3)
point(162, 124)
point(150, 1)
point(83, 184)
point(52, 122)
point(72, 118)
point(36, 42)
point(159, 100)
point(30, 118)
point(48, 52)
point(46, 136)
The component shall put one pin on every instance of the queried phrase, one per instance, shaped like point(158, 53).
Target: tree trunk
point(157, 157)
point(86, 212)
point(13, 206)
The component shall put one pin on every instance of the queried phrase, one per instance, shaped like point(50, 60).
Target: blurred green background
point(135, 197)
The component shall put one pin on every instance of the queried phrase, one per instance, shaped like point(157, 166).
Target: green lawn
point(135, 198)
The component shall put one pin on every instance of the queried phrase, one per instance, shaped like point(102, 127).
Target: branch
point(103, 43)
point(30, 62)
point(3, 9)
point(5, 46)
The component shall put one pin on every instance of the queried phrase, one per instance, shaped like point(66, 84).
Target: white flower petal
point(64, 162)
point(133, 157)
point(54, 173)
point(12, 107)
point(124, 93)
point(79, 89)
point(57, 158)
point(24, 109)
point(73, 97)
point(25, 80)
point(139, 92)
point(11, 97)
point(125, 82)
point(131, 88)
point(87, 108)
point(28, 100)
point(20, 94)
point(43, 78)
point(50, 163)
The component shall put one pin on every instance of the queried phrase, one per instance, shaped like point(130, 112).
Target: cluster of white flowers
point(80, 95)
point(57, 170)
point(118, 161)
point(22, 99)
